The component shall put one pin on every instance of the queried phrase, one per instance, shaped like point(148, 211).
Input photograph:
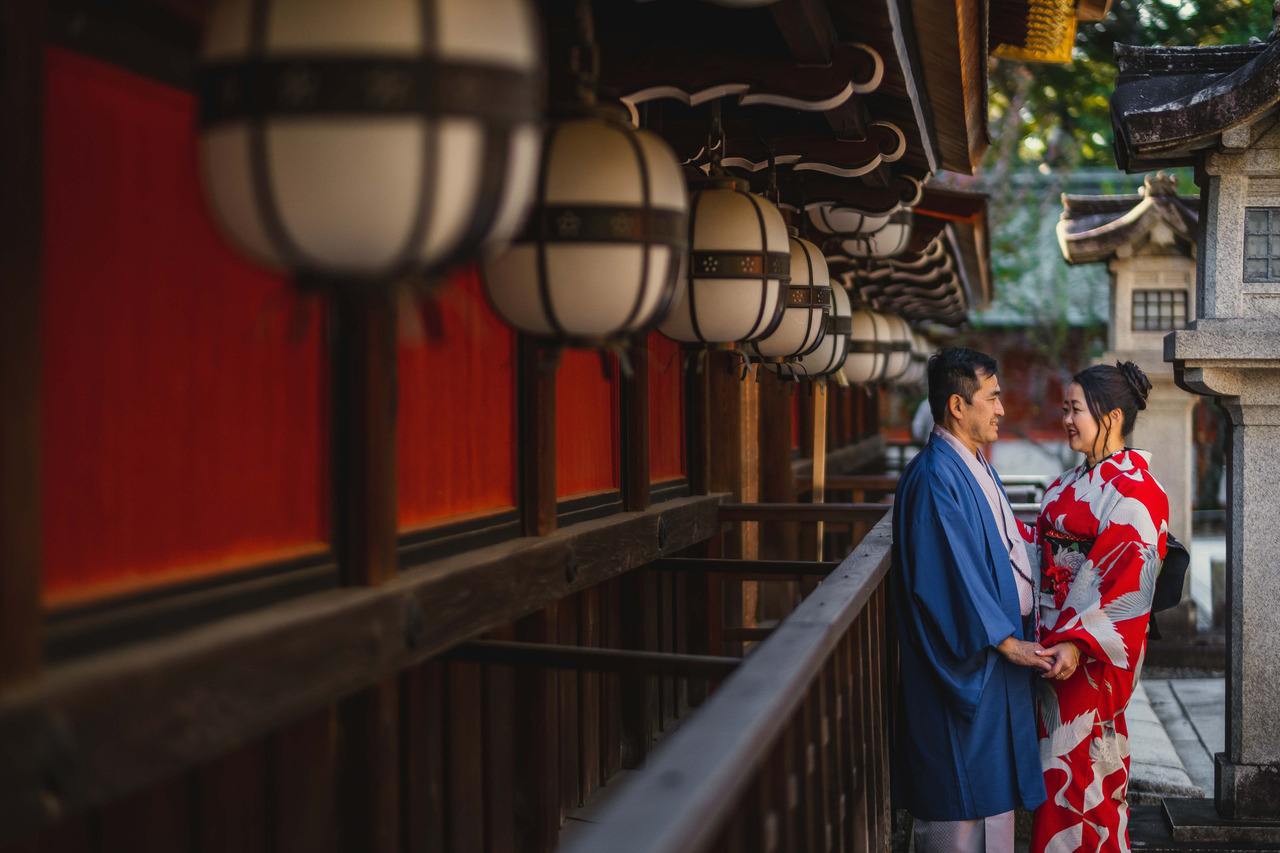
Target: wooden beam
point(22, 28)
point(537, 403)
point(558, 656)
point(837, 513)
point(99, 728)
point(806, 28)
point(364, 436)
point(786, 568)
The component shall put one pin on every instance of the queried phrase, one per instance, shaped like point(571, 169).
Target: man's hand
point(1064, 657)
point(1023, 653)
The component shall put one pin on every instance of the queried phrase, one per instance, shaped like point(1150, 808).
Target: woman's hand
point(1064, 657)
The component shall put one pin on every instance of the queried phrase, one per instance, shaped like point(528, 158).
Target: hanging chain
point(584, 58)
point(716, 141)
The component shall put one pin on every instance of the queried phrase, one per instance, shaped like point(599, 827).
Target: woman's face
point(1082, 429)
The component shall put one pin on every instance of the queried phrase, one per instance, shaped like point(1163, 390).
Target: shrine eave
point(1170, 103)
point(1093, 228)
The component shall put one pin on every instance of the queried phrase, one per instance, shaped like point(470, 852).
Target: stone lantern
point(1214, 108)
point(1148, 242)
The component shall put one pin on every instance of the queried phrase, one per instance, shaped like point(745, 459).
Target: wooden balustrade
point(791, 751)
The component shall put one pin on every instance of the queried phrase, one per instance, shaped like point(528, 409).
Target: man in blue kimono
point(965, 753)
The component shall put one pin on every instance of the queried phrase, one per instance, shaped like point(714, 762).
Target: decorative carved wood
point(695, 76)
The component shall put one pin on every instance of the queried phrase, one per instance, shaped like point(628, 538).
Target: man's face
point(980, 420)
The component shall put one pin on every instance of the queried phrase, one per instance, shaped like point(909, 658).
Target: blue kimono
point(965, 735)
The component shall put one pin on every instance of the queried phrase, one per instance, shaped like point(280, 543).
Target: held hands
point(1064, 657)
point(1024, 653)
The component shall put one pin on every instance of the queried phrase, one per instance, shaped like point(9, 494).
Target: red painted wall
point(184, 398)
point(457, 417)
point(666, 410)
point(586, 424)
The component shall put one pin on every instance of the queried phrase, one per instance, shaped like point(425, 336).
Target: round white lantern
point(916, 372)
point(889, 240)
point(739, 267)
point(365, 139)
point(899, 357)
point(837, 219)
point(868, 347)
point(602, 255)
point(808, 304)
point(830, 353)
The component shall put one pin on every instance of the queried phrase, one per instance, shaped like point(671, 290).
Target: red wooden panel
point(456, 434)
point(586, 424)
point(183, 387)
point(666, 409)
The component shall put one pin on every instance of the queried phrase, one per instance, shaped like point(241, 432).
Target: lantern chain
point(584, 59)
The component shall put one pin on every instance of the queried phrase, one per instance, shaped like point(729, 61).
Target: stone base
point(1196, 820)
point(1249, 792)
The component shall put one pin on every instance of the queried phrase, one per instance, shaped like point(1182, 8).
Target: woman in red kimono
point(1101, 530)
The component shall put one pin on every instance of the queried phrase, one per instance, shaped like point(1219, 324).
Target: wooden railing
point(791, 751)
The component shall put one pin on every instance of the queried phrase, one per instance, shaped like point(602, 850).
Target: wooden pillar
point(370, 774)
point(537, 406)
point(635, 429)
point(364, 436)
point(697, 393)
point(733, 416)
point(778, 540)
point(22, 28)
point(819, 456)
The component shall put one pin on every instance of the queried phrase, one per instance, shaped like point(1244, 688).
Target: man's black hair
point(955, 370)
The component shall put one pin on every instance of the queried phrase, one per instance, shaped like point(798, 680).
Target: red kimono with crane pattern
point(1101, 533)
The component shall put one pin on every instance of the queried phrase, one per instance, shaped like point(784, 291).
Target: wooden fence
point(791, 752)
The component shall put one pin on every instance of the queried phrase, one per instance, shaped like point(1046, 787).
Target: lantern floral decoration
point(368, 139)
point(603, 253)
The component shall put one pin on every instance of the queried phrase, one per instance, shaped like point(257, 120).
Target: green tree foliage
point(1060, 114)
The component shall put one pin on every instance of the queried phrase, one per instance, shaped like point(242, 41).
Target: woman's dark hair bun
point(1137, 380)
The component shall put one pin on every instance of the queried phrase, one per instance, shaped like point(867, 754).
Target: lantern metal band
point(378, 86)
point(837, 325)
point(875, 347)
point(765, 265)
point(598, 224)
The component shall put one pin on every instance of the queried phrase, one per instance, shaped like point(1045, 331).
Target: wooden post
point(537, 402)
point(697, 391)
point(635, 429)
point(370, 768)
point(819, 454)
point(22, 29)
point(537, 747)
point(364, 436)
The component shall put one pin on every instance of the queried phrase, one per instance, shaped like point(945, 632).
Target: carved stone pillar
point(1243, 370)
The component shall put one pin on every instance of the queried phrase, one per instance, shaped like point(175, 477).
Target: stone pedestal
point(1242, 368)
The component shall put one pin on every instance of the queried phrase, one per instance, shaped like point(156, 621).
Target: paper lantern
point(828, 357)
point(808, 304)
point(899, 356)
point(363, 139)
point(890, 239)
point(739, 267)
point(838, 219)
point(868, 347)
point(603, 253)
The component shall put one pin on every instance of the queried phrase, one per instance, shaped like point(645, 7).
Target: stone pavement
point(1193, 714)
point(1156, 767)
